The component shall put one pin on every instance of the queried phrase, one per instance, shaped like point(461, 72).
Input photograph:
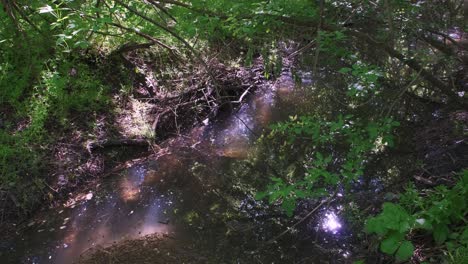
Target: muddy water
point(165, 194)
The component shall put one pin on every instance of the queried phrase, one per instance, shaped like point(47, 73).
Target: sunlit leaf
point(46, 9)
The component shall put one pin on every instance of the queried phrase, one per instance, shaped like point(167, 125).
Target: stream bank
point(189, 193)
point(129, 129)
point(196, 191)
point(144, 124)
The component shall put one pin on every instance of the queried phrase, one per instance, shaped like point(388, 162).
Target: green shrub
point(21, 167)
point(441, 213)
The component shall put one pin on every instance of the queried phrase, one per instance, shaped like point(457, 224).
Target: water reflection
point(331, 223)
point(123, 208)
point(146, 199)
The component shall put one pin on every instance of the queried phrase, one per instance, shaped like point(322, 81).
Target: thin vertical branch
point(317, 50)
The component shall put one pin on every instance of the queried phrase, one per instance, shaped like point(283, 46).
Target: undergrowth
point(40, 96)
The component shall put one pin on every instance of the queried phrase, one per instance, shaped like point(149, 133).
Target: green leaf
point(300, 193)
point(344, 70)
point(464, 236)
point(423, 223)
point(389, 140)
point(390, 244)
point(106, 19)
point(405, 251)
point(45, 9)
point(450, 245)
point(276, 179)
point(260, 195)
point(374, 225)
point(454, 235)
point(373, 130)
point(441, 233)
point(289, 205)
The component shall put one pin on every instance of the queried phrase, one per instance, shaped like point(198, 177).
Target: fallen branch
point(242, 96)
point(128, 47)
point(199, 100)
point(107, 143)
point(156, 120)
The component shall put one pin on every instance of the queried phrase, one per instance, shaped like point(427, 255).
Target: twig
point(248, 128)
point(242, 96)
point(297, 52)
point(405, 88)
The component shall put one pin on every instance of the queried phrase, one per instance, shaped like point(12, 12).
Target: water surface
point(172, 194)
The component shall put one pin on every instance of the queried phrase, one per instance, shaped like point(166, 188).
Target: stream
point(172, 194)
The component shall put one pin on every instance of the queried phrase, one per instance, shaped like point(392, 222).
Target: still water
point(165, 193)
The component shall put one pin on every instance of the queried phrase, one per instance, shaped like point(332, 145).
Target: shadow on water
point(172, 194)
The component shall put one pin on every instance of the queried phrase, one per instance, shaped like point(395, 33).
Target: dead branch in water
point(200, 101)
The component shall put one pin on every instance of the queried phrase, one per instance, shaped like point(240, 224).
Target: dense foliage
point(391, 61)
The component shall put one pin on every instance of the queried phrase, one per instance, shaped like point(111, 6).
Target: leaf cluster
point(441, 213)
point(337, 151)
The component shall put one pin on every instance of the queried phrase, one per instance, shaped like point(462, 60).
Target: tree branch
point(413, 64)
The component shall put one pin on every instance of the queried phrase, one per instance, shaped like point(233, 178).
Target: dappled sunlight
point(141, 202)
point(134, 120)
point(253, 131)
point(151, 224)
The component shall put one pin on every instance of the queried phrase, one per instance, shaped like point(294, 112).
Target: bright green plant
point(441, 213)
point(20, 167)
point(459, 256)
point(392, 226)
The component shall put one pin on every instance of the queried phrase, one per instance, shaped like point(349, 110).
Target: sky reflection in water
point(137, 203)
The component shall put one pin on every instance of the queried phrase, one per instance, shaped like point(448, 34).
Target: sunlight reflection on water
point(140, 201)
point(331, 223)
